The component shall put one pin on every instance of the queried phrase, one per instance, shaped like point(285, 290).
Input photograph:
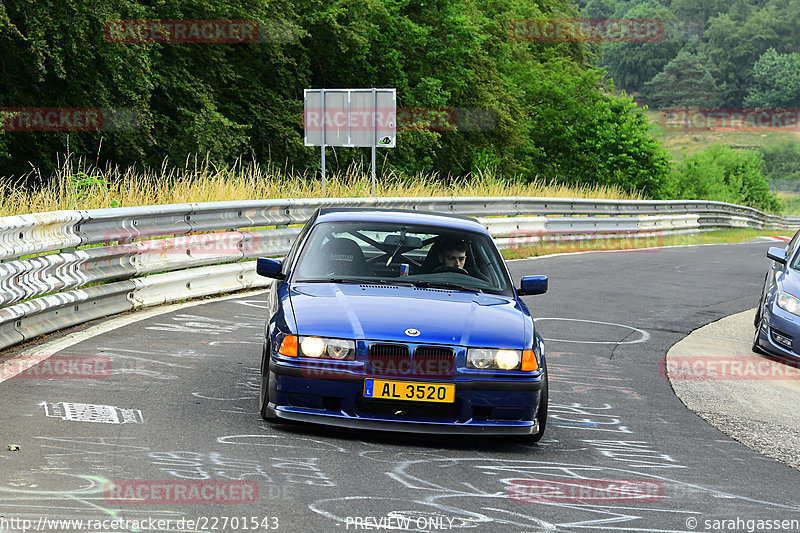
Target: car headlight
point(488, 358)
point(507, 359)
point(340, 348)
point(479, 358)
point(321, 347)
point(789, 303)
point(312, 346)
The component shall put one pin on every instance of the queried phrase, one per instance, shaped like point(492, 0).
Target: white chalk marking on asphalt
point(261, 304)
point(86, 412)
point(644, 335)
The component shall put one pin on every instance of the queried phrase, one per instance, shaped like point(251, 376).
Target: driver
point(453, 254)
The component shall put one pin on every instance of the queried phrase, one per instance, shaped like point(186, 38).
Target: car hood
point(385, 312)
point(789, 281)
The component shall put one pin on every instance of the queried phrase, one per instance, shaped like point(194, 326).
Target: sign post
point(322, 92)
point(375, 135)
point(350, 118)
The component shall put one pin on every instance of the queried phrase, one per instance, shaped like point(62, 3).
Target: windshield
point(423, 256)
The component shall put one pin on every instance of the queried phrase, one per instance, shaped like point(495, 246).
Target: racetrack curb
point(759, 413)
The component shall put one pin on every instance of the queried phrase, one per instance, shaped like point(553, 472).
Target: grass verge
point(81, 186)
point(791, 201)
point(680, 144)
point(633, 243)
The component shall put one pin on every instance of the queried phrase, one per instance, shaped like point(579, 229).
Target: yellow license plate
point(408, 390)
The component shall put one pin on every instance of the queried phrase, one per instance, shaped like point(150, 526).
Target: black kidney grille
point(389, 359)
point(433, 360)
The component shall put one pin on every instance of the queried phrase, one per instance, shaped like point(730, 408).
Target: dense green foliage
point(714, 54)
point(554, 115)
point(730, 41)
point(727, 175)
point(553, 108)
point(776, 81)
point(685, 81)
point(782, 161)
point(633, 64)
point(609, 136)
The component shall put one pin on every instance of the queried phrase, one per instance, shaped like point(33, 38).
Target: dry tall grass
point(78, 185)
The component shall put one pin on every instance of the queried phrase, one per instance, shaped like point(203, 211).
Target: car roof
point(399, 216)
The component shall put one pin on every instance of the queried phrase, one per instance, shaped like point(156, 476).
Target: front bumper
point(779, 323)
point(482, 406)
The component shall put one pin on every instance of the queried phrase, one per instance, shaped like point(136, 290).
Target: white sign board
point(350, 117)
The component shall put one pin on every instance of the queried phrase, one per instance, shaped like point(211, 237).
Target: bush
point(782, 161)
point(726, 175)
point(581, 134)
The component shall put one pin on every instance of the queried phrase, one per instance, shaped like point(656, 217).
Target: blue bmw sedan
point(403, 321)
point(777, 319)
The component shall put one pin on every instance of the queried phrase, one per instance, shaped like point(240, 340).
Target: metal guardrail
point(63, 268)
point(788, 186)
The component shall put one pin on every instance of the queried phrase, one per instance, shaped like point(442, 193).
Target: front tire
point(756, 348)
point(757, 318)
point(263, 397)
point(541, 415)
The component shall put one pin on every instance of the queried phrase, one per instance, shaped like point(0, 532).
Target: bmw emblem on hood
point(411, 332)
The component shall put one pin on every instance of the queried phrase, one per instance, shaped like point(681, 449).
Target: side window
point(296, 246)
point(792, 246)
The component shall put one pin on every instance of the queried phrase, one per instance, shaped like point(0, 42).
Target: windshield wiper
point(335, 280)
point(364, 281)
point(445, 285)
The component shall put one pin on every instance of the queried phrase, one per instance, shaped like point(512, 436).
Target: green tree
point(600, 8)
point(583, 135)
point(215, 98)
point(726, 175)
point(686, 81)
point(782, 161)
point(543, 101)
point(632, 64)
point(698, 10)
point(776, 81)
point(737, 38)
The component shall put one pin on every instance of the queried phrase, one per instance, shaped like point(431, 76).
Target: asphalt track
point(745, 395)
point(180, 405)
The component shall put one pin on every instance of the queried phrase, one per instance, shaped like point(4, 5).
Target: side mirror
point(532, 285)
point(777, 254)
point(269, 268)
